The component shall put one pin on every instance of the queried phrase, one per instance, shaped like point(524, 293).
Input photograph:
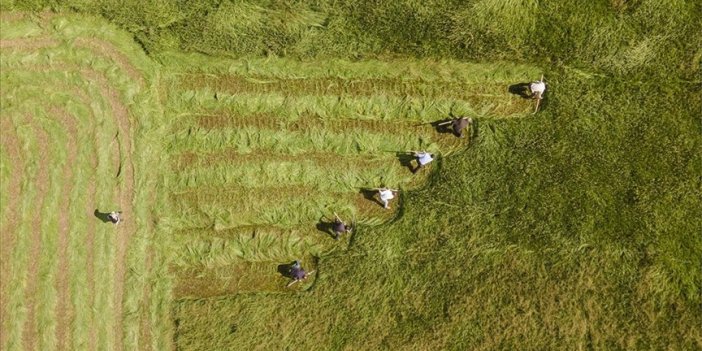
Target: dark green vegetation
point(576, 228)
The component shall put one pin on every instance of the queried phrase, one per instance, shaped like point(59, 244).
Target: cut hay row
point(377, 107)
point(247, 139)
point(261, 174)
point(342, 87)
point(83, 308)
point(244, 277)
point(247, 207)
point(405, 69)
point(250, 244)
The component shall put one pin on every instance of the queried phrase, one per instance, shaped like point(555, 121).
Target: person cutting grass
point(538, 88)
point(297, 273)
point(339, 227)
point(423, 159)
point(385, 196)
point(458, 124)
point(115, 217)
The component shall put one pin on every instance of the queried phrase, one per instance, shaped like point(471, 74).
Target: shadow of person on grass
point(406, 159)
point(325, 226)
point(521, 89)
point(285, 269)
point(370, 194)
point(103, 216)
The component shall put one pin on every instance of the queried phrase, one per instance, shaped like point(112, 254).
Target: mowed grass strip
point(446, 141)
point(244, 277)
point(12, 165)
point(19, 257)
point(244, 244)
point(226, 208)
point(267, 173)
point(60, 77)
point(401, 68)
point(233, 84)
point(373, 107)
point(250, 139)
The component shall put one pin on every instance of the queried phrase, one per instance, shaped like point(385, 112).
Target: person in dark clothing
point(297, 273)
point(339, 227)
point(459, 124)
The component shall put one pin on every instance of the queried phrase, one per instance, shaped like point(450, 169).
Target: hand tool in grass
point(295, 281)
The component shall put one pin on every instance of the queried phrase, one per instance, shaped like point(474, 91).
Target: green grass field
point(228, 131)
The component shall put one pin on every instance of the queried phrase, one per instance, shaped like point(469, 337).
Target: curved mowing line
point(30, 331)
point(106, 49)
point(64, 309)
point(125, 195)
point(10, 144)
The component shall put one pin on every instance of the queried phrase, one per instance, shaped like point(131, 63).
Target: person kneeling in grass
point(537, 89)
point(339, 227)
point(385, 196)
point(459, 124)
point(297, 273)
point(423, 159)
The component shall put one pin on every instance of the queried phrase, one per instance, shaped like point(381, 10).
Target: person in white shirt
point(115, 217)
point(385, 196)
point(537, 89)
point(423, 159)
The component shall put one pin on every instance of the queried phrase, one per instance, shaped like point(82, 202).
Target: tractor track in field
point(64, 310)
point(30, 331)
point(11, 146)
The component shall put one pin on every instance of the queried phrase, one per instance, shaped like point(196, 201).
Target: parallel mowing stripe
point(428, 70)
point(263, 174)
point(13, 266)
point(78, 264)
point(99, 109)
point(345, 87)
point(248, 139)
point(282, 207)
point(48, 262)
point(261, 247)
point(377, 107)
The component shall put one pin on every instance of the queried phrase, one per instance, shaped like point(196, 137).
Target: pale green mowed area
point(266, 149)
point(71, 116)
